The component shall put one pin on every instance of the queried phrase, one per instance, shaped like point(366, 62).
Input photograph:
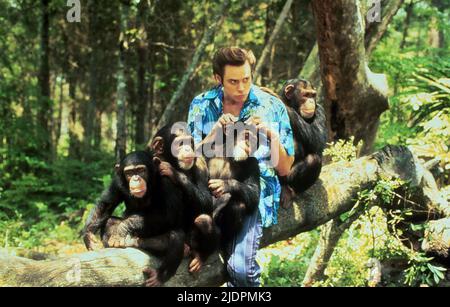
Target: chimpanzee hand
point(165, 169)
point(218, 187)
point(122, 242)
point(196, 263)
point(91, 242)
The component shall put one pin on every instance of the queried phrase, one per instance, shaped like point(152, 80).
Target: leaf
point(436, 278)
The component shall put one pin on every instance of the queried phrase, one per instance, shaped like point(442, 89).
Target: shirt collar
point(216, 94)
point(252, 98)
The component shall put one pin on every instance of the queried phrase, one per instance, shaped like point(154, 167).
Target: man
point(236, 97)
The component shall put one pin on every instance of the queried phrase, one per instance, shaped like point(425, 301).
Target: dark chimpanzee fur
point(152, 221)
point(190, 175)
point(310, 135)
point(237, 177)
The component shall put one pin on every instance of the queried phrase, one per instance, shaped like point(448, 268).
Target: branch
point(273, 36)
point(333, 194)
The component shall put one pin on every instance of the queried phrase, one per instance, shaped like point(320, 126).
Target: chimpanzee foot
point(287, 197)
point(92, 243)
point(152, 280)
point(186, 250)
point(196, 264)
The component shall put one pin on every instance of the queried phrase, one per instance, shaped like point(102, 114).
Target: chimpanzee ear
point(117, 168)
point(158, 145)
point(156, 161)
point(289, 91)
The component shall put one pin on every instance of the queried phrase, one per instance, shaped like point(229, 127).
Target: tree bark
point(354, 96)
point(332, 195)
point(121, 138)
point(45, 111)
point(142, 79)
point(91, 106)
point(268, 47)
point(58, 120)
point(172, 111)
point(376, 89)
point(409, 13)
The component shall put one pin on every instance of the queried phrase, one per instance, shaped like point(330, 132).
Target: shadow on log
point(332, 195)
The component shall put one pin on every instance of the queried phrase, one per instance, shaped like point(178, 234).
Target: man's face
point(236, 82)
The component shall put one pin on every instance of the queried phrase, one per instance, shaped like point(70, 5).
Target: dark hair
point(234, 56)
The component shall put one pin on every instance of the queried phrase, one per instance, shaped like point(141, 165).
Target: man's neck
point(232, 107)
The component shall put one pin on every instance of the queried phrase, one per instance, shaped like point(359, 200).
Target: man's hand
point(222, 122)
point(260, 126)
point(226, 119)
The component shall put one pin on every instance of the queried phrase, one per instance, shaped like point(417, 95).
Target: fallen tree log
point(333, 194)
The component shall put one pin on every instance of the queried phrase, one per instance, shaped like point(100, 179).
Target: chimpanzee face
point(183, 149)
point(177, 148)
point(302, 98)
point(135, 173)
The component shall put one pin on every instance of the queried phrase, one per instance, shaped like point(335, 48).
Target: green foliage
point(50, 202)
point(285, 263)
point(421, 271)
point(342, 150)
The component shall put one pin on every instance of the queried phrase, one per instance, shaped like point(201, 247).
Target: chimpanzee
point(234, 179)
point(173, 146)
point(151, 221)
point(308, 124)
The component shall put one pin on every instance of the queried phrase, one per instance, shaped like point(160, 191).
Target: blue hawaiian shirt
point(205, 111)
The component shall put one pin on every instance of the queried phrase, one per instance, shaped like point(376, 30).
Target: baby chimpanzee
point(173, 148)
point(233, 179)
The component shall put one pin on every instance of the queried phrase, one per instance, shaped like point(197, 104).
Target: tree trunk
point(354, 96)
point(332, 195)
point(311, 71)
point(58, 119)
point(409, 13)
point(176, 108)
point(121, 138)
point(91, 107)
point(45, 111)
point(74, 140)
point(142, 79)
point(434, 34)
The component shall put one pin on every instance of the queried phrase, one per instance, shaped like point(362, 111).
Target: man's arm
point(285, 161)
